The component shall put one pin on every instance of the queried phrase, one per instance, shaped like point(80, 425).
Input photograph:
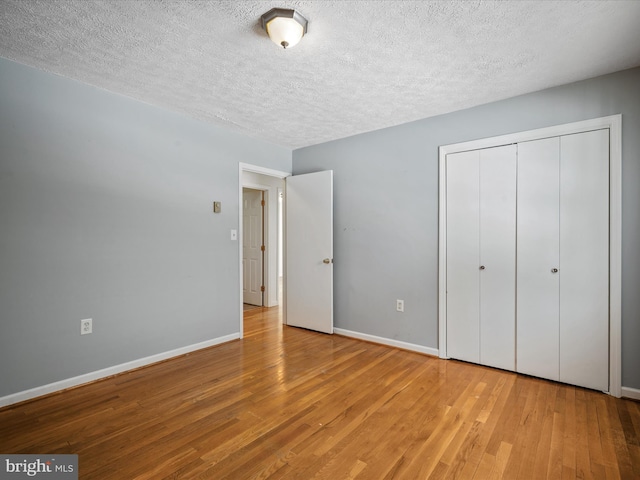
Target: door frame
point(614, 124)
point(246, 167)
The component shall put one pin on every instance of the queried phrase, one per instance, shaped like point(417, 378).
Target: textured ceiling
point(363, 65)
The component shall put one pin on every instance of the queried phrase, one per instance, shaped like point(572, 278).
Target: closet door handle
point(481, 267)
point(554, 270)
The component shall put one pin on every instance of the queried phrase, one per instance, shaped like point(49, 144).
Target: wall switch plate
point(234, 235)
point(86, 326)
point(400, 305)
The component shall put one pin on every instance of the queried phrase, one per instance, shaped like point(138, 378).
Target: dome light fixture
point(284, 26)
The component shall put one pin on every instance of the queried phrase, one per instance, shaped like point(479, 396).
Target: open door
point(309, 251)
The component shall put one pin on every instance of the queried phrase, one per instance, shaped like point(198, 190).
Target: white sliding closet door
point(584, 259)
point(481, 209)
point(538, 247)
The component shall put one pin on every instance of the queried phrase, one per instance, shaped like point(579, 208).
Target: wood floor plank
point(546, 418)
point(607, 443)
point(583, 458)
point(338, 434)
point(470, 455)
point(524, 429)
point(399, 426)
point(425, 458)
point(287, 403)
point(628, 438)
point(509, 418)
point(554, 465)
point(595, 440)
point(569, 438)
point(502, 458)
point(487, 463)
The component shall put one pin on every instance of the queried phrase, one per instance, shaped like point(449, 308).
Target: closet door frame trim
point(614, 124)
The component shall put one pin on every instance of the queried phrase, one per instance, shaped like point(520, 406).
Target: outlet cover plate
point(86, 326)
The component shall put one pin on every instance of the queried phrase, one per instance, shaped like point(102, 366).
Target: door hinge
point(262, 289)
point(262, 248)
point(262, 203)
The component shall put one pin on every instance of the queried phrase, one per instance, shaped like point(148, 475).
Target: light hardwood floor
point(289, 403)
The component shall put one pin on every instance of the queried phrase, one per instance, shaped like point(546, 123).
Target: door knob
point(327, 260)
point(554, 270)
point(481, 267)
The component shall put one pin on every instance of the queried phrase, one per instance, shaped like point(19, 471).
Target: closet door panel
point(537, 300)
point(584, 256)
point(498, 256)
point(463, 287)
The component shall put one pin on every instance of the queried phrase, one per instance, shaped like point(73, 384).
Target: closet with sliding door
point(525, 254)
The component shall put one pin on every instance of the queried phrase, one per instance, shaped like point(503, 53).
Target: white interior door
point(538, 223)
point(584, 257)
point(463, 254)
point(498, 257)
point(309, 251)
point(252, 241)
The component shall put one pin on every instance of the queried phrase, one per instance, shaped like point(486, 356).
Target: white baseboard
point(387, 341)
point(107, 372)
point(633, 393)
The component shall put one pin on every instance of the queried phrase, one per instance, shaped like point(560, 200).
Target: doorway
point(270, 185)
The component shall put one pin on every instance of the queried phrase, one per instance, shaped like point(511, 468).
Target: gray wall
point(105, 212)
point(386, 206)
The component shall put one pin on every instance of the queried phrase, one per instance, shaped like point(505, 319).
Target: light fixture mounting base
point(286, 13)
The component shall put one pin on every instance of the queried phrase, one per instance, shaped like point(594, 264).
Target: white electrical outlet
point(86, 326)
point(400, 305)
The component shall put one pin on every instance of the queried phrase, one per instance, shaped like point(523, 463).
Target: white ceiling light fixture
point(284, 26)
